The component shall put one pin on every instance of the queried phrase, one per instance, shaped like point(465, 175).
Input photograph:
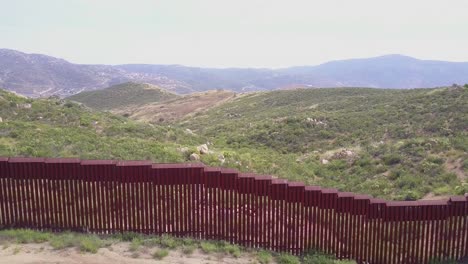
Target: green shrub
point(264, 257)
point(287, 259)
point(208, 247)
point(128, 236)
point(314, 257)
point(160, 254)
point(90, 244)
point(25, 236)
point(135, 245)
point(64, 241)
point(169, 242)
point(391, 159)
point(233, 250)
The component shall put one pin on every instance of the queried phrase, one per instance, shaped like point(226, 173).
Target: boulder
point(221, 158)
point(194, 157)
point(203, 149)
point(183, 149)
point(24, 106)
point(343, 154)
point(1, 120)
point(324, 161)
point(189, 131)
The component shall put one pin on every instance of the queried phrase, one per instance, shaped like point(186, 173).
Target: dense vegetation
point(399, 144)
point(122, 95)
point(59, 128)
point(402, 144)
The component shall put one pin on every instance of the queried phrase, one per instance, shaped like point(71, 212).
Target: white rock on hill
point(24, 106)
point(194, 157)
point(203, 149)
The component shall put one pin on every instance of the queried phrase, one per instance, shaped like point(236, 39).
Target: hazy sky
point(234, 33)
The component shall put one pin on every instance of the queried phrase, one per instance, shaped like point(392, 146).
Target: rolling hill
point(403, 144)
point(60, 128)
point(38, 75)
point(123, 95)
point(398, 144)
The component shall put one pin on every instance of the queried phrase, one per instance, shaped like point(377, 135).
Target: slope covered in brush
point(60, 128)
point(403, 144)
point(123, 95)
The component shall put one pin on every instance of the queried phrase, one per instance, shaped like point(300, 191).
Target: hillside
point(403, 144)
point(176, 109)
point(122, 95)
point(37, 75)
point(398, 144)
point(60, 128)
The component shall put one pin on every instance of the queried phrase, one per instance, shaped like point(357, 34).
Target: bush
point(168, 242)
point(128, 236)
point(391, 159)
point(234, 250)
point(287, 259)
point(160, 254)
point(318, 258)
point(264, 257)
point(90, 244)
point(64, 241)
point(208, 247)
point(135, 245)
point(24, 236)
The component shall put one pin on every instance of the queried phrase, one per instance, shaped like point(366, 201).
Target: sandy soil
point(115, 254)
point(177, 109)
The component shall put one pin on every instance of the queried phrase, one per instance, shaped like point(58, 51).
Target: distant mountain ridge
point(38, 75)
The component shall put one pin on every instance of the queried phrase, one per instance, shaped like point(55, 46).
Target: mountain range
point(38, 75)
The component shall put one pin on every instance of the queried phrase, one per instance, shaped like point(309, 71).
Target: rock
point(221, 158)
point(344, 154)
point(324, 161)
point(194, 157)
point(183, 149)
point(315, 121)
point(203, 149)
point(24, 106)
point(189, 131)
point(1, 120)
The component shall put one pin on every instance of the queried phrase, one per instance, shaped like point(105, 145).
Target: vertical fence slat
point(3, 193)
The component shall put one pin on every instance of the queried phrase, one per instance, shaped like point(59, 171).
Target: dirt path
point(455, 166)
point(115, 254)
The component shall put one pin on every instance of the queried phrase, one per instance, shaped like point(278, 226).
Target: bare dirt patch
point(118, 253)
point(177, 109)
point(455, 166)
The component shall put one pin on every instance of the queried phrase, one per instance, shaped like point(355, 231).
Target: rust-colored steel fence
point(102, 196)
